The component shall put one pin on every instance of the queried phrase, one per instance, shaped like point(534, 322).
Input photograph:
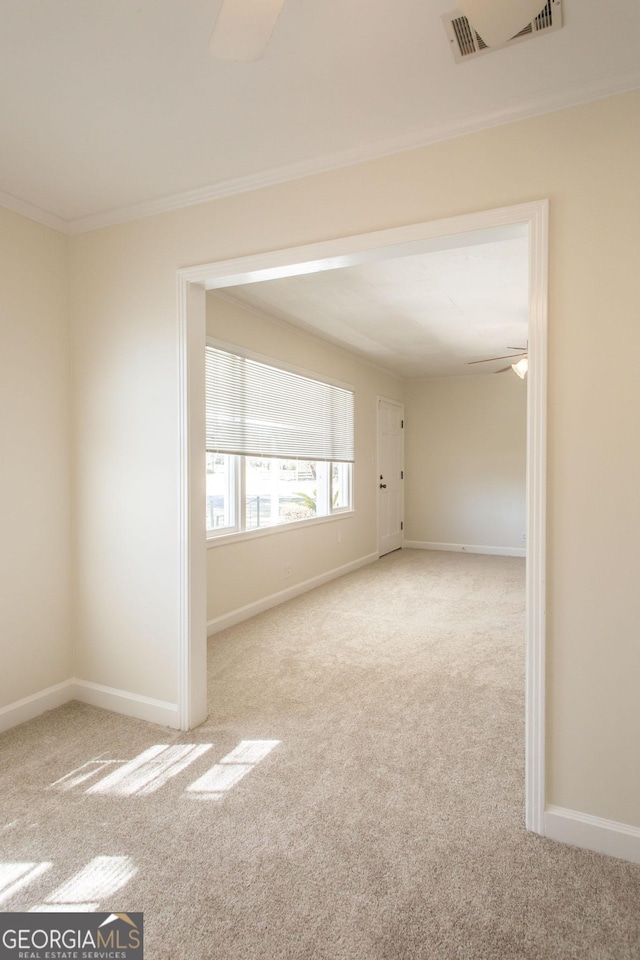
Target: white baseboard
point(466, 548)
point(129, 704)
point(259, 606)
point(118, 701)
point(592, 833)
point(33, 706)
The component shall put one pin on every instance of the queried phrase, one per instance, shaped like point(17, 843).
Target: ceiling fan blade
point(243, 29)
point(502, 370)
point(498, 20)
point(513, 356)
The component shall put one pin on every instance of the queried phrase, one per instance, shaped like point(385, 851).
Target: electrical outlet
point(287, 569)
point(524, 538)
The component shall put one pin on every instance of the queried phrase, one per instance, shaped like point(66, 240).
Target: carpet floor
point(356, 793)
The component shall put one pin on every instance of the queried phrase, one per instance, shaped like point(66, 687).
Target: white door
point(390, 475)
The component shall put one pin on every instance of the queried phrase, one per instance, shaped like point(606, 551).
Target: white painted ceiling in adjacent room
point(425, 315)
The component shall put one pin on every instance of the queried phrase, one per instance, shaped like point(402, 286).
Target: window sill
point(236, 537)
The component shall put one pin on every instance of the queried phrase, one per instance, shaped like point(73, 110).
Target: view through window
point(256, 410)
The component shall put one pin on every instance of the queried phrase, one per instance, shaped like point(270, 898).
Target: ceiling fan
point(244, 27)
point(520, 366)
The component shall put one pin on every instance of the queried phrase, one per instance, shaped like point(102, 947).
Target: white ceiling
point(424, 315)
point(111, 109)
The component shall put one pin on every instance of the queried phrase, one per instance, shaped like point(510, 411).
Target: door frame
point(348, 251)
point(396, 403)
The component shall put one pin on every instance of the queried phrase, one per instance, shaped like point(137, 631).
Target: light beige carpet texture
point(357, 792)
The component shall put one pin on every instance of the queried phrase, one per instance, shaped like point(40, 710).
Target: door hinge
point(402, 524)
point(402, 424)
point(402, 474)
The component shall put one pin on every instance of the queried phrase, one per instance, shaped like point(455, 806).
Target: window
point(280, 445)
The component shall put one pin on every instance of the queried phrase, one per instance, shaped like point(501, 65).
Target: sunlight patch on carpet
point(15, 876)
point(84, 772)
point(100, 879)
point(150, 770)
point(231, 769)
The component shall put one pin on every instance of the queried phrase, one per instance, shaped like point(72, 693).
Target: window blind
point(254, 409)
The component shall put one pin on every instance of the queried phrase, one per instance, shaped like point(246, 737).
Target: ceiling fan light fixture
point(497, 21)
point(520, 368)
point(243, 29)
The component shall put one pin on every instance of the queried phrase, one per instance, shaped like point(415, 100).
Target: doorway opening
point(370, 248)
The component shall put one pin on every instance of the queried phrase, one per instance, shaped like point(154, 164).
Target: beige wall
point(248, 571)
point(585, 160)
point(35, 639)
point(126, 526)
point(466, 457)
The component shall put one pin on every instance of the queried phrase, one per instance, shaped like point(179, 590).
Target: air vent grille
point(544, 20)
point(467, 43)
point(524, 32)
point(468, 40)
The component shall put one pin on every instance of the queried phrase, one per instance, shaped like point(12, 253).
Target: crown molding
point(549, 101)
point(32, 212)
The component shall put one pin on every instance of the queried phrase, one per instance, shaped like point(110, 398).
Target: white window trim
point(238, 531)
point(220, 539)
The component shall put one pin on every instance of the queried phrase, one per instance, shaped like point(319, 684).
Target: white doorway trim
point(348, 251)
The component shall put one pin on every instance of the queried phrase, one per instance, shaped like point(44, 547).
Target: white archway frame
point(347, 251)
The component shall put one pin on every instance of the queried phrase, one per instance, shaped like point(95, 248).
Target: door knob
point(383, 486)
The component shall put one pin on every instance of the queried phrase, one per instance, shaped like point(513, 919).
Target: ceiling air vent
point(466, 43)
